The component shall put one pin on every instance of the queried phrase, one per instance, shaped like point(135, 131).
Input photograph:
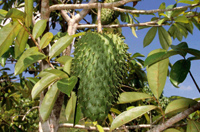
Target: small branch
point(194, 81)
point(104, 128)
point(152, 23)
point(175, 119)
point(88, 5)
point(155, 10)
point(99, 19)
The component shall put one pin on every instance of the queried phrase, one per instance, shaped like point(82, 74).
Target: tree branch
point(88, 6)
point(155, 10)
point(175, 119)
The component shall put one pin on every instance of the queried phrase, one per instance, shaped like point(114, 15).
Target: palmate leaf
point(48, 102)
point(130, 115)
point(157, 74)
point(128, 97)
point(60, 45)
point(8, 33)
point(29, 57)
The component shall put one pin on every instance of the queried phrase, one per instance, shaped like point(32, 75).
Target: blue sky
point(187, 88)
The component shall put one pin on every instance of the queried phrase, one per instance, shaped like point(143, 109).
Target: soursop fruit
point(100, 63)
point(108, 15)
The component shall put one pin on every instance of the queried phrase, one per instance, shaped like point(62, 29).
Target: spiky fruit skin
point(108, 15)
point(100, 63)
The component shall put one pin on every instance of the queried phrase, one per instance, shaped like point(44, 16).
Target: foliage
point(27, 44)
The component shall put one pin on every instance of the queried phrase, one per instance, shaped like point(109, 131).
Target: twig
point(88, 5)
point(99, 28)
point(175, 119)
point(155, 10)
point(194, 81)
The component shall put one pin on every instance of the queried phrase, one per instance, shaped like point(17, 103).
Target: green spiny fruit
point(108, 15)
point(100, 63)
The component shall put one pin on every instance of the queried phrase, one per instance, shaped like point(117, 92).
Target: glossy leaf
point(60, 45)
point(193, 126)
point(70, 108)
point(179, 72)
point(66, 85)
point(29, 57)
point(20, 42)
point(128, 97)
point(179, 105)
point(43, 83)
point(15, 14)
point(67, 66)
point(39, 28)
point(29, 12)
point(169, 13)
point(46, 39)
point(164, 37)
point(130, 115)
point(179, 47)
point(161, 55)
point(8, 33)
point(157, 74)
point(135, 55)
point(149, 36)
point(194, 52)
point(48, 102)
point(63, 59)
point(56, 72)
point(188, 1)
point(171, 130)
point(182, 19)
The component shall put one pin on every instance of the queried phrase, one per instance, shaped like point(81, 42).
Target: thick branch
point(176, 118)
point(154, 11)
point(88, 6)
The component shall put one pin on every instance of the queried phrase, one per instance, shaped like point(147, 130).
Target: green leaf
point(193, 126)
point(179, 47)
point(56, 72)
point(70, 108)
point(179, 72)
point(8, 33)
point(181, 28)
point(116, 111)
point(78, 34)
point(171, 130)
point(77, 114)
point(46, 39)
point(15, 14)
point(29, 57)
point(20, 42)
point(60, 45)
point(157, 74)
point(43, 83)
point(29, 12)
point(33, 79)
point(67, 66)
point(179, 105)
point(66, 85)
point(3, 13)
point(149, 36)
point(63, 59)
point(188, 1)
point(169, 13)
point(164, 37)
point(48, 102)
point(132, 28)
point(194, 52)
point(39, 28)
point(137, 55)
point(189, 26)
point(100, 128)
point(130, 115)
point(160, 55)
point(128, 97)
point(182, 19)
